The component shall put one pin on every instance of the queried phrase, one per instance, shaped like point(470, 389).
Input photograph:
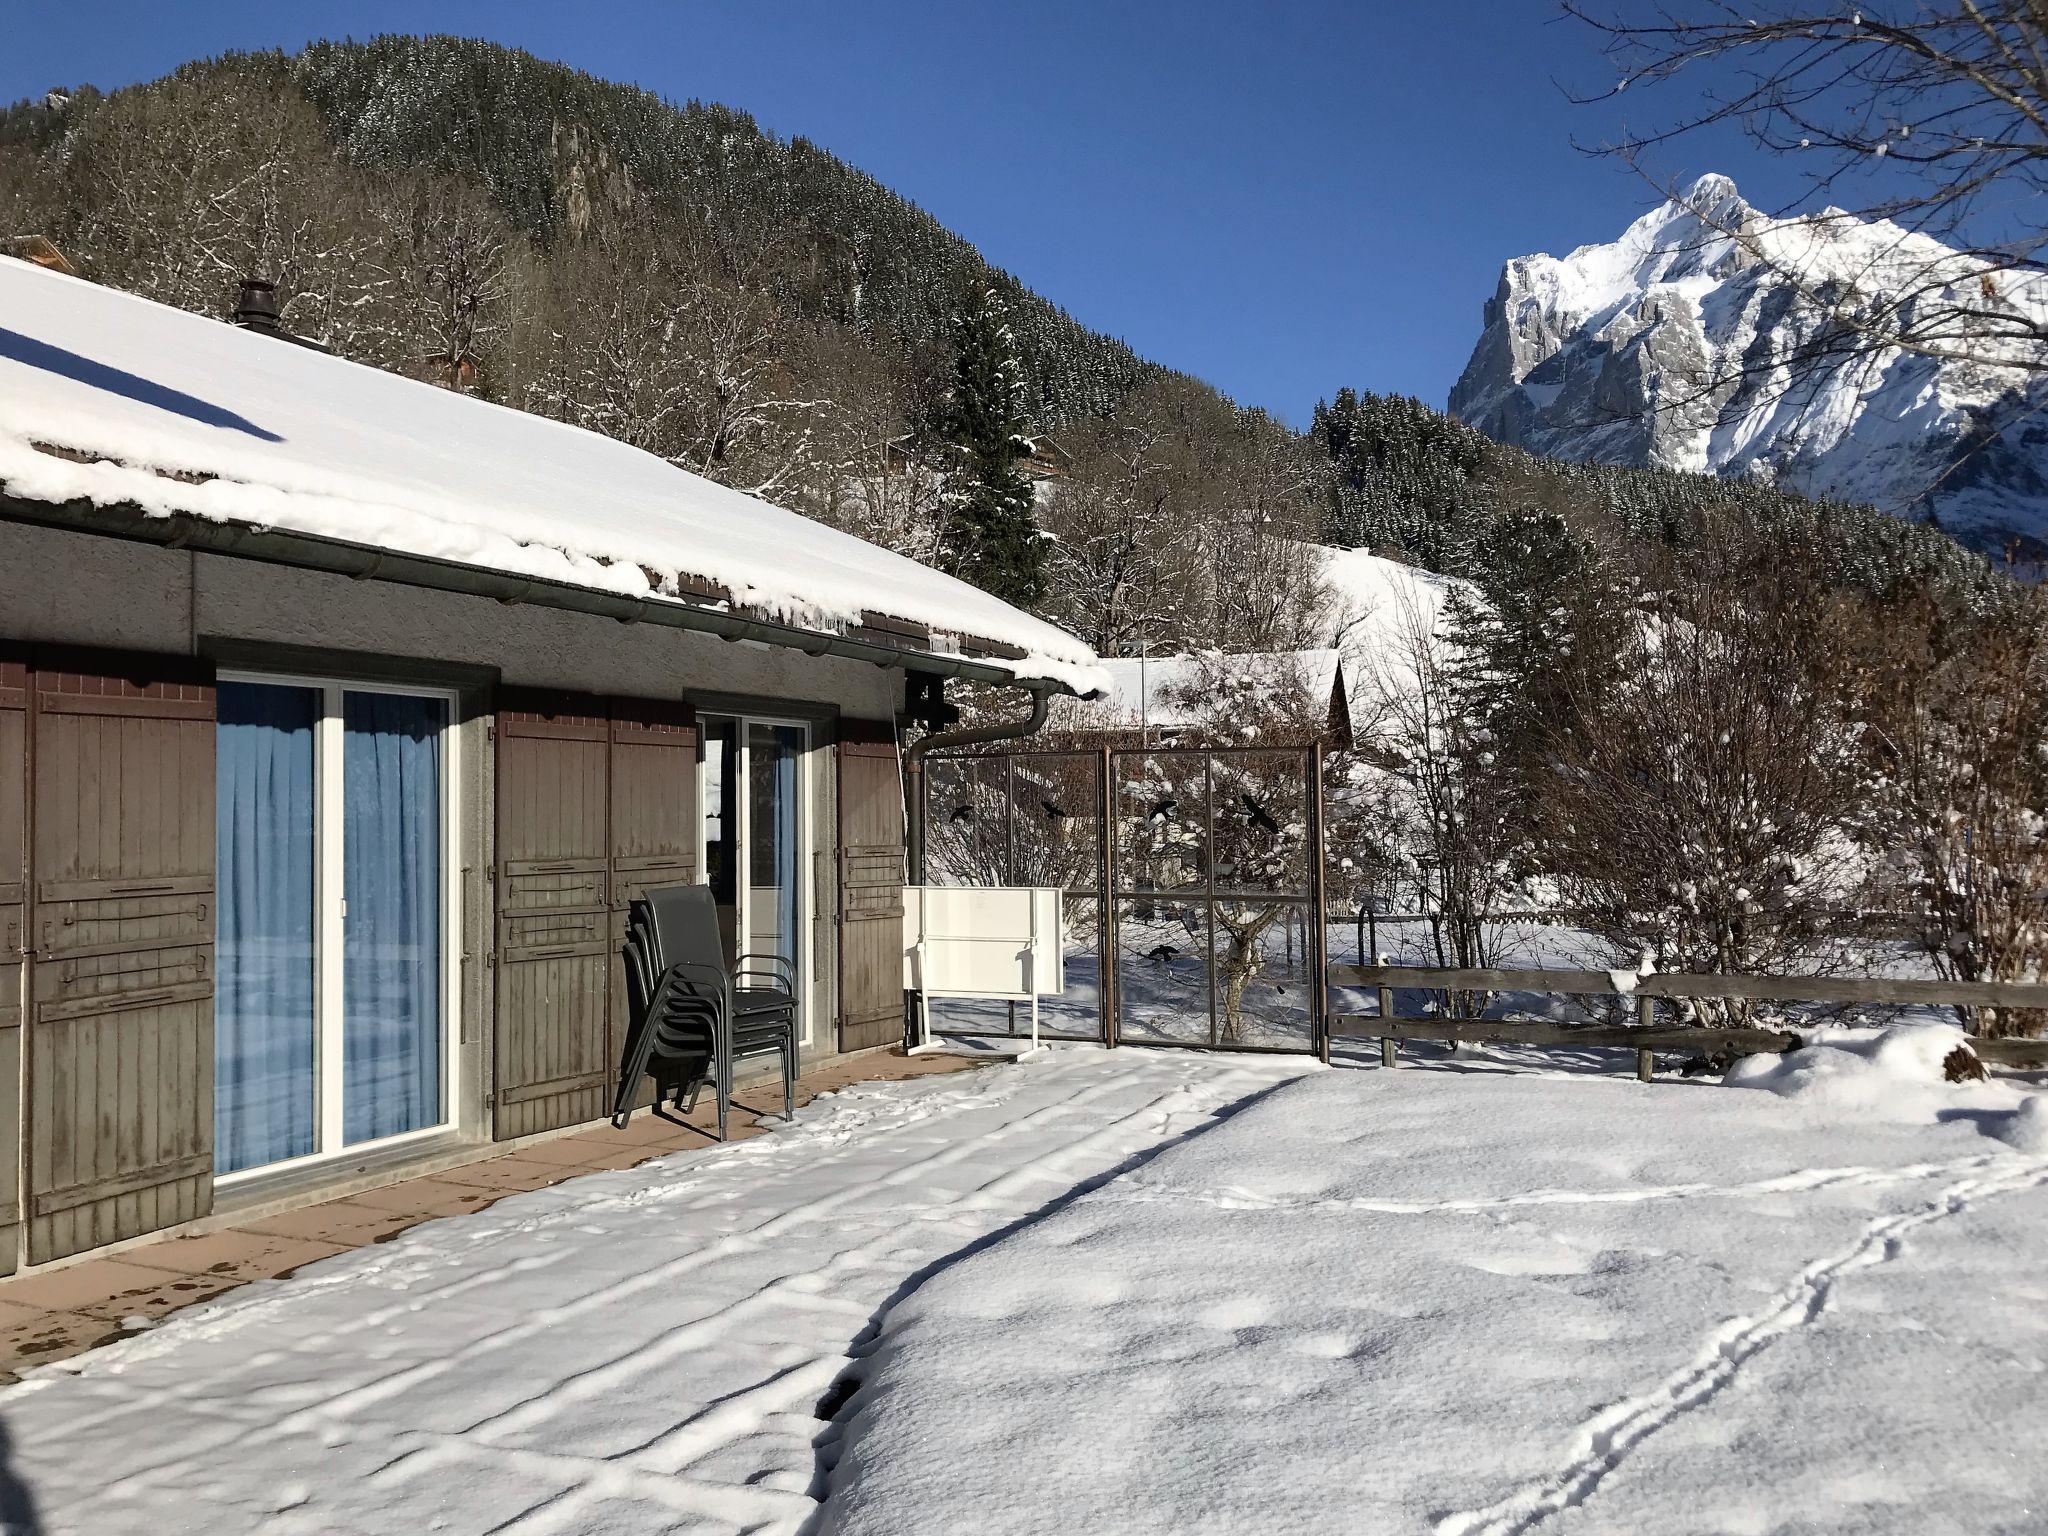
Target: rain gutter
point(962, 736)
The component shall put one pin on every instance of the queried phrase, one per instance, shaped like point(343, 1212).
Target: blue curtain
point(391, 945)
point(265, 1097)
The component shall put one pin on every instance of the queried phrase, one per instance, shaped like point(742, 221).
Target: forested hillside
point(760, 312)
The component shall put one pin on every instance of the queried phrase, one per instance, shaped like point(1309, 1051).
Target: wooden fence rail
point(1646, 1036)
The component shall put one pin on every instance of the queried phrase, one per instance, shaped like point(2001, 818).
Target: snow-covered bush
point(1898, 1070)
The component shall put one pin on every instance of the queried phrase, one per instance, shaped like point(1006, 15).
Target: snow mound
point(1896, 1071)
point(2026, 1128)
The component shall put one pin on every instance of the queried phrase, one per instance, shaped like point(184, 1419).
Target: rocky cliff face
point(1700, 341)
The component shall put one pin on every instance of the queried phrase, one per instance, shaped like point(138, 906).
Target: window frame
point(742, 813)
point(329, 1045)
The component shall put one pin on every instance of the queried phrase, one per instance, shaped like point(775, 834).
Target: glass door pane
point(392, 968)
point(722, 826)
point(775, 841)
point(265, 1094)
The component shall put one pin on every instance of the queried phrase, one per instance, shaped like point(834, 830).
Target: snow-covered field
point(1472, 1302)
point(1155, 1291)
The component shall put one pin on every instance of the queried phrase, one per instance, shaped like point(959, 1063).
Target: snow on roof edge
point(92, 410)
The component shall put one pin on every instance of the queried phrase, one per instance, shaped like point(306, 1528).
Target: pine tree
point(992, 534)
point(1531, 646)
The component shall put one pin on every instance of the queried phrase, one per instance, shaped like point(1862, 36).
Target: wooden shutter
point(870, 886)
point(653, 828)
point(597, 798)
point(13, 938)
point(554, 929)
point(120, 1019)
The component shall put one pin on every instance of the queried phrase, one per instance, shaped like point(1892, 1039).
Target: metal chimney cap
point(256, 305)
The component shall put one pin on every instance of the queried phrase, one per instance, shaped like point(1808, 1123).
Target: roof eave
point(364, 562)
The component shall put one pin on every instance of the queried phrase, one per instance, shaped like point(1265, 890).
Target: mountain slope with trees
point(758, 311)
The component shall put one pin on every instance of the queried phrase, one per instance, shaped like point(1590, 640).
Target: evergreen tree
point(1532, 646)
point(992, 535)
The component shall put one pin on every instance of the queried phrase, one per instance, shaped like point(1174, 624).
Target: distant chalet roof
point(179, 425)
point(1166, 693)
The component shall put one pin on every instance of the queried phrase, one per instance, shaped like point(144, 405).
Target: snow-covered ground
point(1156, 1291)
point(1480, 1302)
point(633, 1352)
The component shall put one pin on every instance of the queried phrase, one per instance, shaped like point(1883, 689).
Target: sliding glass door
point(775, 839)
point(332, 1008)
point(757, 837)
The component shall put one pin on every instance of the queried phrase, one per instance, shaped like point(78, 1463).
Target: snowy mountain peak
point(1714, 200)
point(1687, 344)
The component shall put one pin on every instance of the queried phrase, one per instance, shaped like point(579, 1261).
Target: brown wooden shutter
point(120, 1026)
point(13, 937)
point(653, 828)
point(554, 915)
point(870, 886)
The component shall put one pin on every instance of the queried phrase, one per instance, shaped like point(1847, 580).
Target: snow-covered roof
point(1158, 692)
point(150, 407)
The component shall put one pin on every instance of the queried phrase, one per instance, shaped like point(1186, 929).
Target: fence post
point(1315, 933)
point(1105, 906)
point(1646, 1016)
point(1389, 1049)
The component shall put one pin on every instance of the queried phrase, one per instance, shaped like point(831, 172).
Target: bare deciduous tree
point(454, 266)
point(1704, 807)
point(1962, 737)
point(184, 189)
point(1444, 794)
point(1181, 524)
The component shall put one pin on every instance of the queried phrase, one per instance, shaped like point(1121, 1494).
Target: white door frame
point(328, 885)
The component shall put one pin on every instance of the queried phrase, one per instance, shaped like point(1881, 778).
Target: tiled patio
point(64, 1311)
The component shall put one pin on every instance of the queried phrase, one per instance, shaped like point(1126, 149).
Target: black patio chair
point(750, 1011)
point(673, 1032)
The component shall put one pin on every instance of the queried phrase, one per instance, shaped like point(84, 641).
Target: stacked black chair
point(689, 1012)
point(671, 1035)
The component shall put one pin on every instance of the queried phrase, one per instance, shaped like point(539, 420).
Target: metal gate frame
point(1108, 889)
point(1096, 891)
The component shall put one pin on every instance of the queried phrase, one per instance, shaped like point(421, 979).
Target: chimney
point(256, 310)
point(256, 307)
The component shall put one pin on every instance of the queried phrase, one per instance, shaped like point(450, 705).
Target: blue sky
point(1281, 198)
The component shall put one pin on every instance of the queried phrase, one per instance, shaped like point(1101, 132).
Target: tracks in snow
point(486, 1353)
point(1604, 1442)
point(1231, 1198)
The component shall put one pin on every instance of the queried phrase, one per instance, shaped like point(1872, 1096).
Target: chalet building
point(341, 717)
